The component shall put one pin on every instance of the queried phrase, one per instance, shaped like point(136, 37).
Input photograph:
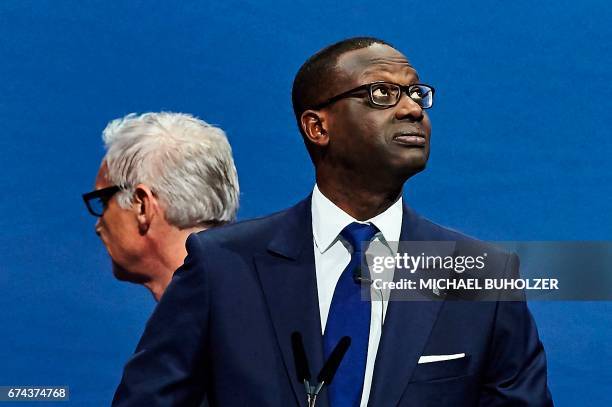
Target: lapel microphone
point(359, 278)
point(328, 371)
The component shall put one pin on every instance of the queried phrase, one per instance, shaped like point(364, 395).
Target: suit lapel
point(288, 280)
point(405, 331)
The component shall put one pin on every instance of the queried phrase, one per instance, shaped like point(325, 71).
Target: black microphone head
point(333, 362)
point(299, 356)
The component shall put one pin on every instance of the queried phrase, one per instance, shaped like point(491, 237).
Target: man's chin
point(415, 169)
point(413, 165)
point(123, 274)
point(120, 273)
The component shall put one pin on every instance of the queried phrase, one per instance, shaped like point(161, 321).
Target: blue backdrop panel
point(520, 149)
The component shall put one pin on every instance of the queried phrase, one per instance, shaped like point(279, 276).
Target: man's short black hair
point(317, 73)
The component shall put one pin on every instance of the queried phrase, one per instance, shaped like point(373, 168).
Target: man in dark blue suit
point(224, 325)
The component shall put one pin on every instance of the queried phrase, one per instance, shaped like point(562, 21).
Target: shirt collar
point(328, 221)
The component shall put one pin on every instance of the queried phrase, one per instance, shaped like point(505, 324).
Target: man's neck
point(359, 201)
point(171, 253)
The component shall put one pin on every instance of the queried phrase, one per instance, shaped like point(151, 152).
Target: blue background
point(520, 151)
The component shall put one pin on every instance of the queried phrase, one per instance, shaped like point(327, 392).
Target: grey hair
point(185, 161)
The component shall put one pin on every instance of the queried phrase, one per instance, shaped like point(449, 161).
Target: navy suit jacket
point(223, 329)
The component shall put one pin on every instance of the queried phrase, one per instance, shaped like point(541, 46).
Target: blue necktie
point(349, 315)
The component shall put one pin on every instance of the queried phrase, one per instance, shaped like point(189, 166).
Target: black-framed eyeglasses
point(97, 201)
point(387, 94)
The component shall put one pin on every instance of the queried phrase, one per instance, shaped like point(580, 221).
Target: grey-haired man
point(164, 176)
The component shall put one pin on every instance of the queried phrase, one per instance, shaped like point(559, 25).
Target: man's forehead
point(102, 176)
point(374, 60)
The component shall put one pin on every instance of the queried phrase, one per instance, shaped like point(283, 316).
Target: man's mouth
point(410, 139)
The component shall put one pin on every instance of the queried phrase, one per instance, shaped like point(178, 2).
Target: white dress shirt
point(332, 255)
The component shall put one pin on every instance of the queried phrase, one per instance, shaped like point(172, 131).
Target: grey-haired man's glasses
point(97, 201)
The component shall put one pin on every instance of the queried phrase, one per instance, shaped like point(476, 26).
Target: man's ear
point(146, 207)
point(314, 124)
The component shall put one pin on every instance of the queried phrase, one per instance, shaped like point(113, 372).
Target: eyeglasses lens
point(97, 205)
point(422, 95)
point(385, 94)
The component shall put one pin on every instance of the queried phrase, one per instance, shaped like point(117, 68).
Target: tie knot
point(358, 233)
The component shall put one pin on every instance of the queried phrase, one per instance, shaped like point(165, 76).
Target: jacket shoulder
point(437, 232)
point(251, 230)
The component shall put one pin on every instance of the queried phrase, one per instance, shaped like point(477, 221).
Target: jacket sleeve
point(516, 371)
point(167, 368)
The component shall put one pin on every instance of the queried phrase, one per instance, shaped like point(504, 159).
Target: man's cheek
point(427, 124)
point(371, 125)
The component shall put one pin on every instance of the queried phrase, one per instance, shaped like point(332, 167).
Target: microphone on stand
point(301, 362)
point(328, 371)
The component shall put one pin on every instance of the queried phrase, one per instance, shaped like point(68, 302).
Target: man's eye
point(380, 91)
point(416, 94)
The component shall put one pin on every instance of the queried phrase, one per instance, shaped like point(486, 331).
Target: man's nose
point(98, 226)
point(408, 109)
